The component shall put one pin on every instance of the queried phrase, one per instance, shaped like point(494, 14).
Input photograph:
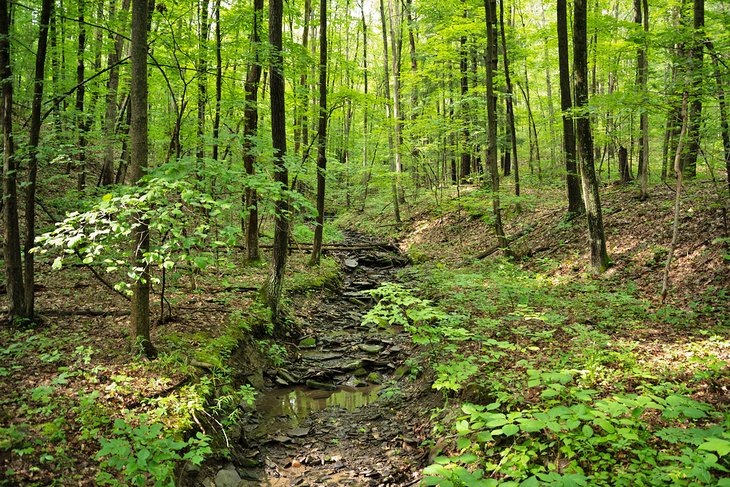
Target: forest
point(367, 242)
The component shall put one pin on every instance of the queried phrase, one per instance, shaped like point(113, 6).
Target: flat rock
point(298, 432)
point(366, 347)
point(351, 263)
point(227, 478)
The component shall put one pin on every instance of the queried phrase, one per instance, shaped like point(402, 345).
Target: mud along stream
point(341, 411)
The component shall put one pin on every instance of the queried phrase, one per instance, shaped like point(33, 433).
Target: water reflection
point(296, 403)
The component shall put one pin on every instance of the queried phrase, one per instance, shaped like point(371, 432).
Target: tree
point(140, 319)
point(694, 66)
point(509, 100)
point(321, 135)
point(490, 6)
point(11, 248)
point(575, 203)
point(33, 142)
point(589, 183)
point(390, 115)
point(641, 17)
point(250, 129)
point(273, 288)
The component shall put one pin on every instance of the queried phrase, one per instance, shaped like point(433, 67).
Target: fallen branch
point(82, 312)
point(495, 248)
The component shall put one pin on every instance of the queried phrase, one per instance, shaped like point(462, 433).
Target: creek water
point(316, 405)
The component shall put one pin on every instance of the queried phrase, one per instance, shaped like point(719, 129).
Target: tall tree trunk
point(218, 80)
point(694, 65)
point(274, 285)
point(34, 139)
point(575, 203)
point(509, 100)
point(725, 130)
point(366, 111)
point(465, 115)
point(591, 197)
point(396, 40)
point(490, 6)
point(641, 17)
point(11, 250)
point(321, 135)
point(110, 117)
point(202, 81)
point(250, 129)
point(390, 116)
point(140, 319)
point(301, 120)
point(415, 92)
point(81, 117)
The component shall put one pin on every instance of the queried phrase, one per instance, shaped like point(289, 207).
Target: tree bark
point(34, 139)
point(641, 17)
point(110, 116)
point(140, 319)
point(11, 250)
point(465, 115)
point(274, 285)
point(395, 18)
point(591, 197)
point(390, 116)
point(202, 81)
point(575, 203)
point(490, 6)
point(509, 97)
point(724, 128)
point(218, 81)
point(321, 136)
point(81, 117)
point(250, 130)
point(694, 65)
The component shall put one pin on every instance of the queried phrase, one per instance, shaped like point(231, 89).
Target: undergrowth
point(546, 384)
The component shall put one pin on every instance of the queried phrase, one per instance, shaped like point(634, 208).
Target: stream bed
point(341, 411)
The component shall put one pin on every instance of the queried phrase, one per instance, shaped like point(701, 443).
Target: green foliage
point(144, 455)
point(572, 437)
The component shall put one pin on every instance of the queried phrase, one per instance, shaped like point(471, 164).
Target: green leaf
point(510, 429)
point(531, 425)
point(587, 431)
point(57, 263)
point(722, 447)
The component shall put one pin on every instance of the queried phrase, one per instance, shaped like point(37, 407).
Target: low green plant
point(144, 455)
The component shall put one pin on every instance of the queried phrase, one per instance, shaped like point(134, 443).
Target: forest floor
point(70, 382)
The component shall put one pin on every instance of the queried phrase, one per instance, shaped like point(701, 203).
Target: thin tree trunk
point(301, 120)
point(34, 139)
point(274, 285)
point(677, 195)
point(490, 6)
point(110, 117)
point(396, 40)
point(591, 197)
point(321, 135)
point(81, 116)
point(641, 17)
point(11, 250)
point(509, 97)
point(464, 85)
point(250, 130)
point(694, 66)
point(202, 81)
point(389, 113)
point(140, 319)
point(723, 109)
point(575, 203)
point(218, 80)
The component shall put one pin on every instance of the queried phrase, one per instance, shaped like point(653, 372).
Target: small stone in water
point(365, 347)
